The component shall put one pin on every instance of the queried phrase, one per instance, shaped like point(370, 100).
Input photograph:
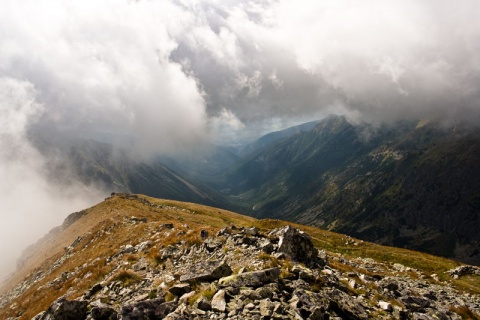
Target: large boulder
point(103, 313)
point(308, 303)
point(63, 309)
point(148, 309)
point(346, 306)
point(298, 246)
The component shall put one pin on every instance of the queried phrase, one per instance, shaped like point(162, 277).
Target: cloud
point(105, 67)
point(70, 70)
point(29, 205)
point(380, 60)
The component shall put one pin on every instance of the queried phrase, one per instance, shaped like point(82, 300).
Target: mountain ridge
point(370, 182)
point(132, 252)
point(410, 184)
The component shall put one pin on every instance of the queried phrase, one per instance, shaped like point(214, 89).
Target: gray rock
point(103, 313)
point(186, 296)
point(266, 246)
point(253, 231)
point(298, 246)
point(180, 289)
point(385, 306)
point(38, 316)
point(212, 244)
point(223, 232)
point(170, 251)
point(305, 302)
point(251, 279)
point(414, 303)
point(63, 309)
point(266, 307)
point(218, 301)
point(204, 234)
point(202, 303)
point(464, 270)
point(345, 306)
point(207, 271)
point(93, 290)
point(148, 309)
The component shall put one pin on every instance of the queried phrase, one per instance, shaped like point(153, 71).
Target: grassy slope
point(105, 228)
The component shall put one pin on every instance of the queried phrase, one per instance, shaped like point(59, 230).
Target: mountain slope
point(407, 185)
point(275, 136)
point(137, 253)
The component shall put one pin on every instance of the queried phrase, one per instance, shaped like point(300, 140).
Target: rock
point(103, 313)
point(253, 231)
point(303, 273)
point(143, 246)
point(202, 303)
point(305, 302)
point(170, 251)
point(385, 306)
point(223, 232)
point(212, 244)
point(180, 289)
point(185, 297)
point(207, 271)
point(303, 292)
point(267, 291)
point(148, 309)
point(414, 303)
point(204, 234)
point(464, 270)
point(93, 290)
point(352, 284)
point(266, 246)
point(63, 309)
point(167, 226)
point(298, 246)
point(345, 306)
point(127, 249)
point(266, 307)
point(218, 301)
point(38, 316)
point(251, 279)
point(318, 313)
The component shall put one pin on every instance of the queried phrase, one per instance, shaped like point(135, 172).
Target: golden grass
point(126, 277)
point(107, 226)
point(465, 313)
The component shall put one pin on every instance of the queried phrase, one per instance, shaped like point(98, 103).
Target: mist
point(166, 76)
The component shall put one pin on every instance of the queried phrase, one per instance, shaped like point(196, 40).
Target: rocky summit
point(181, 261)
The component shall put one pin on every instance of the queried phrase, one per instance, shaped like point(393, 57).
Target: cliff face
point(133, 257)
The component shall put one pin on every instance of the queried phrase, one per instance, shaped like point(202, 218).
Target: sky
point(170, 75)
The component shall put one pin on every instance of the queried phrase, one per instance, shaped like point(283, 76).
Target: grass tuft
point(126, 277)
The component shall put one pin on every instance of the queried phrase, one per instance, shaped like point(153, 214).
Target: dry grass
point(104, 229)
point(126, 277)
point(465, 313)
point(208, 291)
point(107, 227)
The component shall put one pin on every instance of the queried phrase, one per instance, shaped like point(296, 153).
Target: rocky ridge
point(240, 273)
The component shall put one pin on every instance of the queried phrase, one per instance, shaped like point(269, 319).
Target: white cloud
point(105, 66)
point(29, 204)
